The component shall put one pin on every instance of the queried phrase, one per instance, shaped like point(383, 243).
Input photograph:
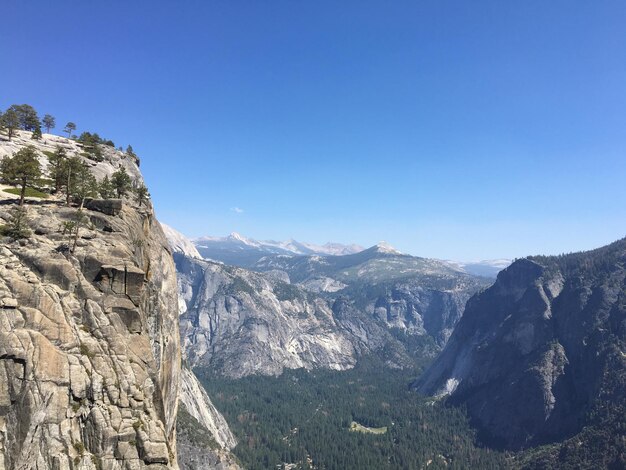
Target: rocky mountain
point(239, 322)
point(237, 250)
point(317, 312)
point(89, 339)
point(540, 357)
point(416, 295)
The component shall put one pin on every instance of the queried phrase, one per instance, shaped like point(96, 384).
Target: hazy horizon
point(450, 130)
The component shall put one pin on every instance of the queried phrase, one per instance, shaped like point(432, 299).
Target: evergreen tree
point(56, 168)
point(22, 169)
point(130, 152)
point(91, 145)
point(11, 121)
point(72, 228)
point(18, 224)
point(48, 122)
point(27, 116)
point(70, 169)
point(69, 128)
point(142, 194)
point(36, 134)
point(83, 185)
point(121, 182)
point(107, 191)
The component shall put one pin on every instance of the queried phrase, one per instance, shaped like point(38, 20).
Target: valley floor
point(304, 420)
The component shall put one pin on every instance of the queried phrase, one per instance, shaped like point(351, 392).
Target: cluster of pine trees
point(66, 175)
point(25, 117)
point(304, 418)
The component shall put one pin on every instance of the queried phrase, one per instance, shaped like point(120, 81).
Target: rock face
point(238, 323)
point(199, 405)
point(534, 355)
point(418, 296)
point(89, 340)
point(204, 438)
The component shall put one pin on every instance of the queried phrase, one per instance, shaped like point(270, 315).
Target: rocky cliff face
point(204, 438)
point(238, 323)
point(89, 341)
point(542, 353)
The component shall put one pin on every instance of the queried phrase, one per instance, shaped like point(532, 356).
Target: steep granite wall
point(541, 354)
point(89, 341)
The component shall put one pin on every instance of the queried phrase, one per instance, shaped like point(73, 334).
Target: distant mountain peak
point(384, 247)
point(234, 236)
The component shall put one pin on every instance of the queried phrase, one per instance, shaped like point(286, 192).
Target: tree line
point(25, 117)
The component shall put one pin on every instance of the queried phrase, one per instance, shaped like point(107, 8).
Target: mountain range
point(238, 250)
point(311, 311)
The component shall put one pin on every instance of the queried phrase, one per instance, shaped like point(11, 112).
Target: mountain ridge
point(539, 358)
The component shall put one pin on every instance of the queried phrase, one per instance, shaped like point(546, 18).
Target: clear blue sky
point(453, 129)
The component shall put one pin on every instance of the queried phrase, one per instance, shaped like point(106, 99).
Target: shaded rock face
point(532, 354)
point(89, 342)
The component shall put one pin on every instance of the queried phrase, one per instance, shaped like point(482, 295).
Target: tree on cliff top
point(11, 121)
point(22, 169)
point(121, 182)
point(69, 128)
point(48, 122)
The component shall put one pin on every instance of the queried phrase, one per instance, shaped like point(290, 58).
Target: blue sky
point(452, 129)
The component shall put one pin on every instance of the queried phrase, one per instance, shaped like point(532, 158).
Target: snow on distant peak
point(291, 246)
point(234, 236)
point(179, 243)
point(384, 247)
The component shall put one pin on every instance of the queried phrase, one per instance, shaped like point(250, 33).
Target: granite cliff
point(540, 357)
point(89, 342)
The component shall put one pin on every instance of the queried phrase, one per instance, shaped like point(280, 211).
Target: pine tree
point(18, 224)
point(142, 194)
point(22, 169)
point(11, 121)
point(70, 169)
point(72, 228)
point(83, 185)
point(48, 122)
point(27, 116)
point(37, 133)
point(121, 182)
point(107, 191)
point(56, 168)
point(69, 128)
